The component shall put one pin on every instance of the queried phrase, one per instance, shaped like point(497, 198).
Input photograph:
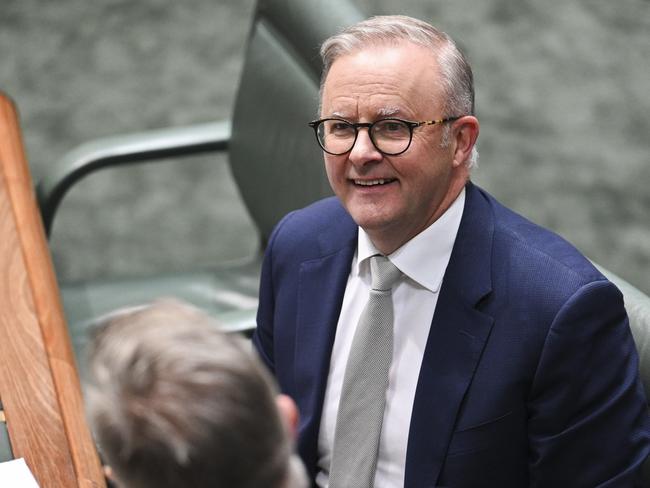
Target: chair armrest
point(126, 149)
point(239, 321)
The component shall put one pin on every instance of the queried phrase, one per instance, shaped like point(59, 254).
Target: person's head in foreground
point(174, 402)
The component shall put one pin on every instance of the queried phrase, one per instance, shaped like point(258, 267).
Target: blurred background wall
point(562, 95)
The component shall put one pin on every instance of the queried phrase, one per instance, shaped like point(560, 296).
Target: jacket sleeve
point(588, 421)
point(263, 335)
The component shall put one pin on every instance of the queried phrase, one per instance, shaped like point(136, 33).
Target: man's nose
point(364, 151)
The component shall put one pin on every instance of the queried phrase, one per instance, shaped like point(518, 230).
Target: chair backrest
point(278, 165)
point(637, 305)
point(638, 309)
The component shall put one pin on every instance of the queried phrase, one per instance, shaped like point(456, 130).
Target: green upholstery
point(637, 305)
point(5, 446)
point(278, 95)
point(229, 293)
point(274, 160)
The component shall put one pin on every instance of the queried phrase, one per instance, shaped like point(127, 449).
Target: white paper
point(16, 474)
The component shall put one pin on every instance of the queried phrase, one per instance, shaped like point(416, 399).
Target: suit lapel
point(320, 295)
point(454, 346)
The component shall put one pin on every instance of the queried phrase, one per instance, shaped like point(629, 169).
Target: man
point(511, 362)
point(174, 402)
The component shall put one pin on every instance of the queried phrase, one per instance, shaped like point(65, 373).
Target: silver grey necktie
point(363, 395)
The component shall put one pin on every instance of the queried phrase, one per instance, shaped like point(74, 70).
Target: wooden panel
point(39, 384)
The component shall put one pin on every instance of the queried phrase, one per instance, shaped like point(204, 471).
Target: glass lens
point(391, 136)
point(336, 136)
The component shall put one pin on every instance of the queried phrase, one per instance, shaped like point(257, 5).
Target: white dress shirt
point(423, 261)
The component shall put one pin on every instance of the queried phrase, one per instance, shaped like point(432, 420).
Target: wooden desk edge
point(48, 308)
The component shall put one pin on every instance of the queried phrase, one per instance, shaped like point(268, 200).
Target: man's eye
point(340, 128)
point(391, 128)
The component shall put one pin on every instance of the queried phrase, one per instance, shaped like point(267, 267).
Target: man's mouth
point(380, 181)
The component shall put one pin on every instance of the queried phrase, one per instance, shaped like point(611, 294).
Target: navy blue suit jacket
point(529, 376)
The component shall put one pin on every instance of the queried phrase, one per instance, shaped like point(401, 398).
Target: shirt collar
point(424, 258)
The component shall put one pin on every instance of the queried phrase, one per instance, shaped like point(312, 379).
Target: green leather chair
point(637, 305)
point(266, 140)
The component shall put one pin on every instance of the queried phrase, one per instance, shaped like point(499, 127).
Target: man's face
point(414, 187)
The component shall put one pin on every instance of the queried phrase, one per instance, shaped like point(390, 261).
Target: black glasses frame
point(315, 124)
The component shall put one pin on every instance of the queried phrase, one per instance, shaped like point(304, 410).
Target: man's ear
point(465, 133)
point(289, 414)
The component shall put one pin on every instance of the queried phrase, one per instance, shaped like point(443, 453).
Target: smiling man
point(397, 186)
point(430, 336)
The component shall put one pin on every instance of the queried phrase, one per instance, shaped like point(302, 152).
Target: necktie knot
point(384, 273)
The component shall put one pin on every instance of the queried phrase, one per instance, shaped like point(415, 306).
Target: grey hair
point(457, 81)
point(175, 402)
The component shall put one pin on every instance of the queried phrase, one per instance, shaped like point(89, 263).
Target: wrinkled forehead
point(384, 51)
point(386, 77)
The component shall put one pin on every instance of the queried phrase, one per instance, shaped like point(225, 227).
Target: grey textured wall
point(562, 96)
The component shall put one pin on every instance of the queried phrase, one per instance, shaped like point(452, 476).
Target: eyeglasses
point(390, 136)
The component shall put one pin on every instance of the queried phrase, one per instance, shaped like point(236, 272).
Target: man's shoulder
point(321, 212)
point(324, 224)
point(538, 250)
point(323, 215)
